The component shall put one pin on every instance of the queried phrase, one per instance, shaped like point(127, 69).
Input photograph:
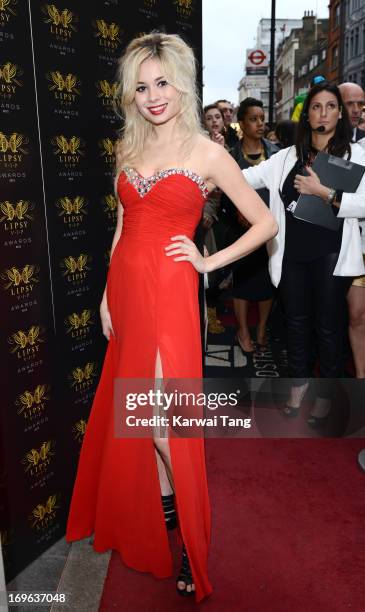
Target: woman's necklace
point(253, 162)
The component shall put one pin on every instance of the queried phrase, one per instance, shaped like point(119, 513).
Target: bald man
point(354, 99)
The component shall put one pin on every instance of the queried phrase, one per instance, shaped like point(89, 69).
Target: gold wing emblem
point(81, 262)
point(66, 18)
point(14, 142)
point(54, 14)
point(3, 143)
point(103, 28)
point(32, 458)
point(8, 210)
point(78, 375)
point(62, 144)
point(71, 264)
point(111, 202)
point(108, 146)
point(13, 275)
point(79, 203)
point(21, 209)
point(27, 273)
point(85, 317)
point(39, 393)
point(8, 72)
point(66, 205)
point(88, 371)
point(58, 81)
point(74, 321)
point(113, 31)
point(70, 83)
point(33, 335)
point(74, 144)
point(51, 504)
point(4, 4)
point(26, 400)
point(45, 450)
point(20, 339)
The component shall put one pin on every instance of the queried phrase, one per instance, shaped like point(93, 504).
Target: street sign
point(257, 58)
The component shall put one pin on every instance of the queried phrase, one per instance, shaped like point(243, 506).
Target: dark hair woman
point(214, 123)
point(314, 265)
point(251, 279)
point(286, 133)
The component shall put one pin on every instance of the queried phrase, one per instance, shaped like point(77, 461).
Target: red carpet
point(288, 533)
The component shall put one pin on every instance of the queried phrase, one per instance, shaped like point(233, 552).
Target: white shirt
point(272, 174)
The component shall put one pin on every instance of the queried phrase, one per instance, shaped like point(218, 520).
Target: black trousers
point(314, 302)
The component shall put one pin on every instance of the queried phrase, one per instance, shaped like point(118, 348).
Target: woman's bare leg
point(240, 308)
point(163, 451)
point(264, 311)
point(356, 303)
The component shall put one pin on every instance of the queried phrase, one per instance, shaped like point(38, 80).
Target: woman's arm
point(224, 172)
point(260, 176)
point(106, 322)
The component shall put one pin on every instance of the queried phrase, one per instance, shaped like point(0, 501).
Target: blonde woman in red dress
point(150, 315)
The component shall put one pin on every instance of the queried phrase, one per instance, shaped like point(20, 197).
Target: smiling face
point(324, 111)
point(213, 120)
point(155, 98)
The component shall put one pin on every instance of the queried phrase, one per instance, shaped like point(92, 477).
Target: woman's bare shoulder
point(207, 150)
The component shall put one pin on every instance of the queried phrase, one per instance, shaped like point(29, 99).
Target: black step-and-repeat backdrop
point(57, 218)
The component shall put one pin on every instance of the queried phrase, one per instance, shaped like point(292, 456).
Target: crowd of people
point(315, 273)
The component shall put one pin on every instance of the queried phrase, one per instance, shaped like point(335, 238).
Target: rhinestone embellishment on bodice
point(144, 185)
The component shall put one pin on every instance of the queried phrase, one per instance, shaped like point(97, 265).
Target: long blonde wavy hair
point(179, 68)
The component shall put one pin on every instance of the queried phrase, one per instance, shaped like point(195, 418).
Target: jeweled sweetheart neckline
point(144, 184)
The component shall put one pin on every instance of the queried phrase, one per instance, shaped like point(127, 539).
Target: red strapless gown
point(153, 303)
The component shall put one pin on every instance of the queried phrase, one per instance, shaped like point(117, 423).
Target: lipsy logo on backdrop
point(36, 460)
point(26, 343)
point(107, 146)
point(184, 8)
point(20, 281)
point(79, 429)
point(72, 210)
point(106, 91)
point(44, 514)
point(32, 403)
point(107, 34)
point(12, 149)
point(9, 80)
point(65, 87)
point(7, 10)
point(81, 377)
point(15, 216)
point(62, 22)
point(68, 150)
point(78, 324)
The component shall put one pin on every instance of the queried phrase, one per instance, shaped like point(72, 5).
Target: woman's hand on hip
point(186, 250)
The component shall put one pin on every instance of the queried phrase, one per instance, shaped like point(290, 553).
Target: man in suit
point(354, 99)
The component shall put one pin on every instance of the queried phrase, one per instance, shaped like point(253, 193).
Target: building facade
point(353, 57)
point(335, 37)
point(293, 53)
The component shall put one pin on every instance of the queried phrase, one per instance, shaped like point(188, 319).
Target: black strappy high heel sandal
point(185, 576)
point(169, 511)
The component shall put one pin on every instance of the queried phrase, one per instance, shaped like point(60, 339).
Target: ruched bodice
point(157, 207)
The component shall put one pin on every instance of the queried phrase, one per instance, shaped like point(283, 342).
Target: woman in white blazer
point(312, 265)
